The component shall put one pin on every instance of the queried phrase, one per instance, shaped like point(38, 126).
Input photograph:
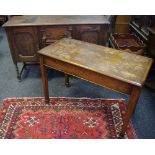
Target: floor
point(143, 119)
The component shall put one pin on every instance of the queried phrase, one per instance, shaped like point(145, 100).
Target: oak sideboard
point(27, 34)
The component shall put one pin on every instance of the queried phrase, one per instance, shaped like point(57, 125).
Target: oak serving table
point(115, 69)
point(27, 34)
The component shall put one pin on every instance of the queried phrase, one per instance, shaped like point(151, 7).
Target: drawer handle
point(27, 57)
point(67, 34)
point(70, 29)
point(44, 38)
point(94, 28)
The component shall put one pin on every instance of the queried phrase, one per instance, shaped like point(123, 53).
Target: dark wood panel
point(25, 43)
point(97, 34)
point(89, 33)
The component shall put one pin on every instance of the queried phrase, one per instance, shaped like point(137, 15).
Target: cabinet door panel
point(89, 33)
point(25, 43)
point(91, 37)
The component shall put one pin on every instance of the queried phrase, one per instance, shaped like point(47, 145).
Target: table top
point(37, 20)
point(121, 65)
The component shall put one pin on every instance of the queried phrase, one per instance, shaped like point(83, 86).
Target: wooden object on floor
point(126, 41)
point(115, 69)
point(28, 34)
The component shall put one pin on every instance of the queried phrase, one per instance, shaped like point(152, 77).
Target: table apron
point(88, 75)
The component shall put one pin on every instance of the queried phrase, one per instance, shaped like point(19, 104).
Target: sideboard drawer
point(50, 34)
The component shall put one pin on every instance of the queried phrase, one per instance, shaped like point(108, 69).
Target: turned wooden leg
point(135, 94)
point(67, 80)
point(44, 80)
point(17, 71)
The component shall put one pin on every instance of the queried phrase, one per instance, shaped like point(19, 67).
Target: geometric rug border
point(93, 99)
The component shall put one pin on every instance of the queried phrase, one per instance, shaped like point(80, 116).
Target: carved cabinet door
point(89, 33)
point(25, 43)
point(97, 34)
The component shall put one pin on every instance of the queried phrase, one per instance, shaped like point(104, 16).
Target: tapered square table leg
point(44, 80)
point(135, 94)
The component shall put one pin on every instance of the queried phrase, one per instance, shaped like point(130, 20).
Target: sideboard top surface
point(36, 20)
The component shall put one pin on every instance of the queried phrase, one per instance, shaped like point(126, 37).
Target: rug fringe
point(65, 97)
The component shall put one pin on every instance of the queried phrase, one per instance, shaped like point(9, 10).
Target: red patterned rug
point(63, 118)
